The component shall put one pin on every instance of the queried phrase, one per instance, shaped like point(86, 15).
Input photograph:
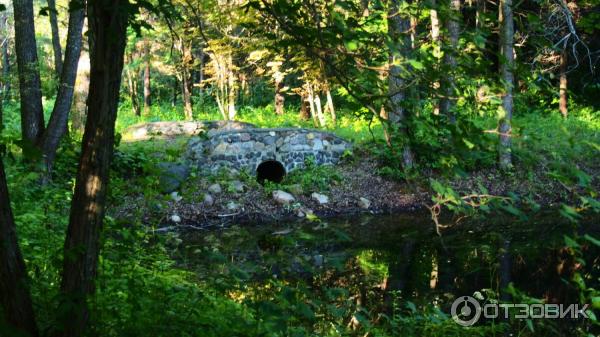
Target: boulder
point(171, 176)
point(283, 198)
point(237, 186)
point(175, 196)
point(321, 199)
point(364, 203)
point(208, 200)
point(214, 188)
point(233, 206)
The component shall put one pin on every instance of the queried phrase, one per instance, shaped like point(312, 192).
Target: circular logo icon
point(465, 310)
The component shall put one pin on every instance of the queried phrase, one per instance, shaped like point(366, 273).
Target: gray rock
point(214, 188)
point(171, 176)
point(283, 198)
point(232, 206)
point(175, 218)
point(175, 196)
point(208, 200)
point(320, 198)
point(364, 203)
point(238, 186)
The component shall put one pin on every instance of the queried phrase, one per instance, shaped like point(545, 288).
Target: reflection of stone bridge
point(269, 152)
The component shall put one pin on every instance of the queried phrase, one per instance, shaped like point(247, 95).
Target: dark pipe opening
point(270, 170)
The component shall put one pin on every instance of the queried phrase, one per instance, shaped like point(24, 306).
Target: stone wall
point(246, 149)
point(171, 129)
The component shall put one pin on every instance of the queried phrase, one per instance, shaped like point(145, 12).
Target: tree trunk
point(320, 114)
point(147, 88)
point(187, 97)
point(186, 80)
point(311, 102)
point(132, 85)
point(435, 40)
point(562, 105)
point(399, 27)
point(32, 113)
point(175, 89)
point(231, 89)
point(304, 108)
point(82, 84)
point(55, 38)
point(14, 290)
point(448, 100)
point(279, 98)
point(329, 102)
point(107, 22)
point(57, 126)
point(5, 58)
point(507, 63)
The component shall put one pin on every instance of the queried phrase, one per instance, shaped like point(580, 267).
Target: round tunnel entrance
point(270, 170)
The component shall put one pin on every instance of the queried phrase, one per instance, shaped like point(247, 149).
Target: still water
point(394, 275)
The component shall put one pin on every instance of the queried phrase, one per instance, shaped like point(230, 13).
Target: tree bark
point(147, 87)
point(186, 81)
point(279, 98)
point(59, 119)
point(435, 40)
point(507, 63)
point(329, 103)
point(132, 85)
point(82, 84)
point(304, 108)
point(14, 290)
point(448, 100)
point(32, 113)
point(58, 64)
point(563, 99)
point(5, 58)
point(107, 20)
point(399, 27)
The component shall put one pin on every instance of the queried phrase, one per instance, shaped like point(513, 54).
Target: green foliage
point(313, 178)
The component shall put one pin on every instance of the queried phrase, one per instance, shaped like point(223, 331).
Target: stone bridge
point(271, 153)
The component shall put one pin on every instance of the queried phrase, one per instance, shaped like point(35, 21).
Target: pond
point(394, 275)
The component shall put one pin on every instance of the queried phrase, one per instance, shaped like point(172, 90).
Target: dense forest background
point(498, 93)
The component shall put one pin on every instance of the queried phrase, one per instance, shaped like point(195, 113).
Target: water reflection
point(379, 267)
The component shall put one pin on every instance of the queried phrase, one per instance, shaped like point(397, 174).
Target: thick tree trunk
point(32, 113)
point(399, 27)
point(563, 99)
point(55, 38)
point(147, 87)
point(14, 291)
point(448, 100)
point(107, 20)
point(507, 63)
point(304, 108)
point(57, 126)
